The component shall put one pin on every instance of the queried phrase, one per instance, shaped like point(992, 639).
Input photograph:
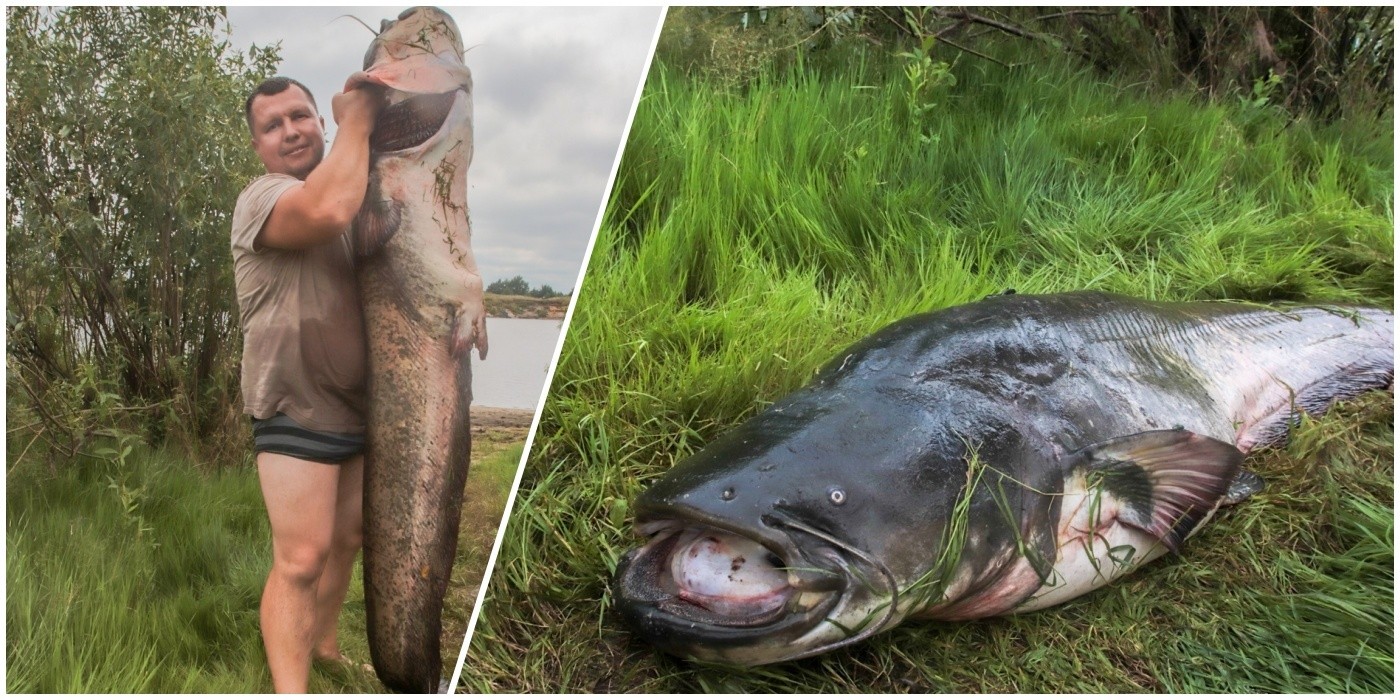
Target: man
point(304, 360)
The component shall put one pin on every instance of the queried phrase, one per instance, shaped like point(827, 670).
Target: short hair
point(272, 86)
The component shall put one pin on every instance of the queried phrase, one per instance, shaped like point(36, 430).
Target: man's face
point(288, 135)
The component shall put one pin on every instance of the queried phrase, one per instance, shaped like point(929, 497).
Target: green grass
point(755, 231)
point(145, 577)
point(137, 578)
point(495, 459)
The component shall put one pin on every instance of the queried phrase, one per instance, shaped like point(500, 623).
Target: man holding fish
point(304, 359)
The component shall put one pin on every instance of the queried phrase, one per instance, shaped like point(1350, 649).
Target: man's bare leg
point(301, 507)
point(345, 545)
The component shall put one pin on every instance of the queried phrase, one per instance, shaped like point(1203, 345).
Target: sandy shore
point(488, 417)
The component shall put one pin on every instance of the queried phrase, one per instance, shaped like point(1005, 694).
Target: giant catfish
point(992, 458)
point(423, 307)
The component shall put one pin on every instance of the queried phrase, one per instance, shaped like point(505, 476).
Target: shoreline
point(484, 417)
point(512, 306)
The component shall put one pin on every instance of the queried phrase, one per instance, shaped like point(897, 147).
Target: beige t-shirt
point(303, 331)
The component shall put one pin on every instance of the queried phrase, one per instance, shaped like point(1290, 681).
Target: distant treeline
point(517, 286)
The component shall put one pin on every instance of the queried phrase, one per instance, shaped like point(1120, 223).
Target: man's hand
point(358, 107)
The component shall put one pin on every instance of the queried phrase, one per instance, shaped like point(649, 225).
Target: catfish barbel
point(424, 311)
point(992, 458)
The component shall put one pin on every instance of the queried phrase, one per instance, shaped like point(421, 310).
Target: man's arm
point(319, 209)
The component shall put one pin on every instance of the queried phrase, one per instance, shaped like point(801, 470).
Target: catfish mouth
point(695, 585)
point(411, 122)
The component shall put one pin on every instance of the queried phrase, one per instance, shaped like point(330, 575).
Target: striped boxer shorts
point(284, 436)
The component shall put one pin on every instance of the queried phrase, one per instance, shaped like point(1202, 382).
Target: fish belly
point(419, 446)
point(1093, 547)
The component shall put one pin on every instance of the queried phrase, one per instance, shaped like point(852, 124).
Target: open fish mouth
point(411, 121)
point(718, 577)
point(697, 586)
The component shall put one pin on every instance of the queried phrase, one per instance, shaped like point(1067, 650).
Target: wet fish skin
point(999, 410)
point(423, 306)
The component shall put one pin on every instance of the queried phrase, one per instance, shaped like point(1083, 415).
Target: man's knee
point(301, 563)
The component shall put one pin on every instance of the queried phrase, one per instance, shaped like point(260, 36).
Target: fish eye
point(728, 493)
point(837, 496)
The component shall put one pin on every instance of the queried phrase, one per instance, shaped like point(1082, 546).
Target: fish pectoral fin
point(376, 223)
point(1245, 484)
point(469, 330)
point(1166, 482)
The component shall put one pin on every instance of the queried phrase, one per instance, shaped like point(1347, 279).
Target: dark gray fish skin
point(853, 480)
point(423, 307)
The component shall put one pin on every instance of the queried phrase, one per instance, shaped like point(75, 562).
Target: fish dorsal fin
point(1166, 481)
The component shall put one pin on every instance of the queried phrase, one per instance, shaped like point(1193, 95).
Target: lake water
point(512, 375)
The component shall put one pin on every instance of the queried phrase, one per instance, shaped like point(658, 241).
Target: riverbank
point(513, 306)
point(504, 424)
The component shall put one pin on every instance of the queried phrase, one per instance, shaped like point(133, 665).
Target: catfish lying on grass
point(992, 458)
point(423, 304)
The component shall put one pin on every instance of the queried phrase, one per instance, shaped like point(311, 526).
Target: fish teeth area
point(720, 566)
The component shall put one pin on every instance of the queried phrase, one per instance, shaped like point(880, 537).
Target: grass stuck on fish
point(756, 231)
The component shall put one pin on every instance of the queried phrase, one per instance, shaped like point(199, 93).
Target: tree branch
point(977, 54)
point(988, 21)
point(1075, 13)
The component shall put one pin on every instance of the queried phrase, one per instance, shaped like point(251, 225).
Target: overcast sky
point(553, 89)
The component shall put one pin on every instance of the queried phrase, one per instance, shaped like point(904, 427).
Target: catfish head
point(420, 149)
point(419, 59)
point(806, 528)
point(426, 123)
